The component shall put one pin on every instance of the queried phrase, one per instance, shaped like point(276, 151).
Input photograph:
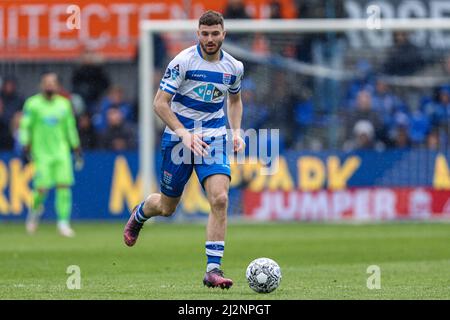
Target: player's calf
point(167, 211)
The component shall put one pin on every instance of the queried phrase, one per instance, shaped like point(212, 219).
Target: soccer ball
point(263, 275)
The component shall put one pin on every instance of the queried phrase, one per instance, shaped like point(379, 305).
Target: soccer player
point(193, 92)
point(48, 133)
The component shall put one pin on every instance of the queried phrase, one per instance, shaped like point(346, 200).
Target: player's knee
point(220, 200)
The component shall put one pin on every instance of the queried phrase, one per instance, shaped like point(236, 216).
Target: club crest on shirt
point(226, 78)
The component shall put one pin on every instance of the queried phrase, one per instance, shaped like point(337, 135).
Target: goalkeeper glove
point(79, 160)
point(25, 155)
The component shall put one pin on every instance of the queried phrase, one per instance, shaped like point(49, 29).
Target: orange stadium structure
point(108, 27)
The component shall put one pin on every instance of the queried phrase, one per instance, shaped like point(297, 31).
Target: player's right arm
point(163, 110)
point(25, 131)
point(25, 126)
point(70, 125)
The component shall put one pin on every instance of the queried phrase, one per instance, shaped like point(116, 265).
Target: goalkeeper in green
point(48, 133)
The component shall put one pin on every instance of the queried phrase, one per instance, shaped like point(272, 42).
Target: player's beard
point(211, 53)
point(49, 93)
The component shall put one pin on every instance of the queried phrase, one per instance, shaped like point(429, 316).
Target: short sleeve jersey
point(199, 90)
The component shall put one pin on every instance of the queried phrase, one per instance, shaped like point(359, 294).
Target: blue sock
point(214, 253)
point(140, 217)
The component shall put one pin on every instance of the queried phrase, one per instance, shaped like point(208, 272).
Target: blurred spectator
point(88, 137)
point(275, 10)
point(305, 117)
point(76, 100)
point(385, 102)
point(307, 9)
point(255, 113)
point(404, 58)
point(90, 80)
point(365, 81)
point(401, 138)
point(364, 111)
point(14, 131)
point(446, 66)
point(118, 136)
point(235, 9)
point(419, 127)
point(363, 137)
point(438, 112)
point(316, 9)
point(12, 100)
point(433, 140)
point(281, 105)
point(276, 43)
point(114, 99)
point(6, 141)
point(319, 9)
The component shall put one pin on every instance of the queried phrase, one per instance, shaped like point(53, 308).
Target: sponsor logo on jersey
point(51, 121)
point(208, 92)
point(199, 75)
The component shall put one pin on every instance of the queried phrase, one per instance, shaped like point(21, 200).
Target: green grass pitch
point(318, 261)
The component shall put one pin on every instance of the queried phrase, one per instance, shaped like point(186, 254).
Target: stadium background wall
point(109, 27)
point(308, 186)
point(37, 29)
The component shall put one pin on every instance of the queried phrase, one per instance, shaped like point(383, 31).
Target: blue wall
point(92, 192)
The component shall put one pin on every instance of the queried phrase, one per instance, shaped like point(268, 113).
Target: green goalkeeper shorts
point(50, 173)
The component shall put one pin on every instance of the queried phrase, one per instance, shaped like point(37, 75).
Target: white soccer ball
point(263, 275)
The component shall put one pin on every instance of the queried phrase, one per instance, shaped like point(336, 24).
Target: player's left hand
point(238, 143)
point(79, 160)
point(26, 154)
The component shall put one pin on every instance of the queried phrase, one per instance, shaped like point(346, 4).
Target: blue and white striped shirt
point(199, 90)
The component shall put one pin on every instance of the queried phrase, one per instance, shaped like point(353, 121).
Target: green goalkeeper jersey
point(49, 126)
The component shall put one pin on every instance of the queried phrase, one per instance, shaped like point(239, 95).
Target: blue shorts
point(178, 162)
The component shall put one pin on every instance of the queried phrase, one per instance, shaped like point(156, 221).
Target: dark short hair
point(211, 18)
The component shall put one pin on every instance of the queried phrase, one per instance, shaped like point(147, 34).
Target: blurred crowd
point(371, 113)
point(105, 118)
point(368, 112)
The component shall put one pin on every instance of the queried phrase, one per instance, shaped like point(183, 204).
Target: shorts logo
point(226, 79)
point(167, 177)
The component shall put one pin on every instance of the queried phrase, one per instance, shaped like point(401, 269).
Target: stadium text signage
point(58, 29)
point(369, 185)
point(436, 39)
point(356, 204)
